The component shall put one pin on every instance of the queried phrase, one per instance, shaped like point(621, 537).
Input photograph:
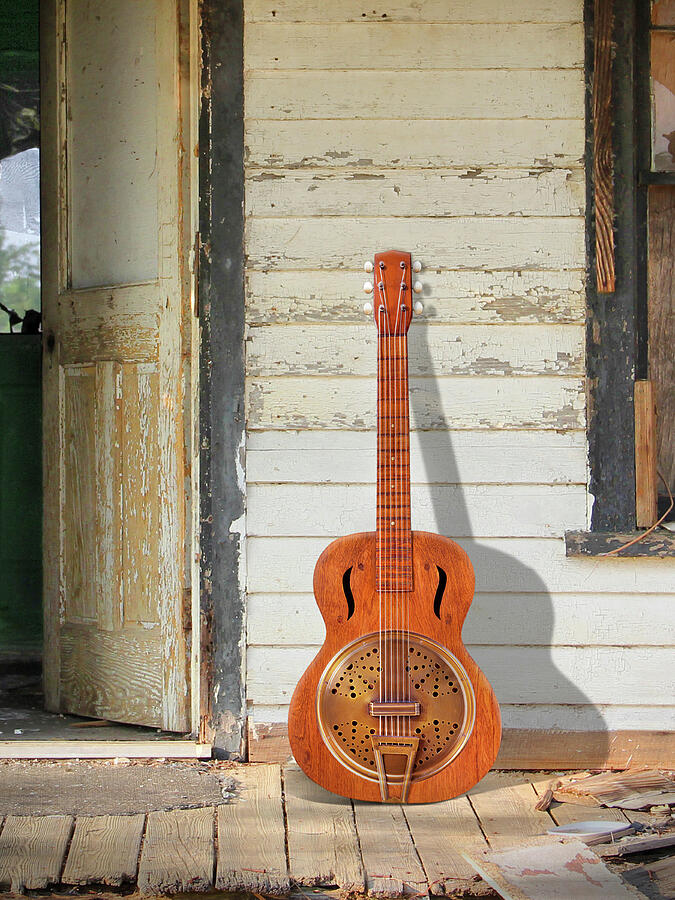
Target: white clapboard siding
point(518, 674)
point(474, 297)
point(551, 401)
point(423, 143)
point(473, 94)
point(459, 457)
point(490, 192)
point(543, 716)
point(524, 619)
point(405, 11)
point(311, 510)
point(366, 45)
point(333, 242)
point(442, 350)
point(503, 565)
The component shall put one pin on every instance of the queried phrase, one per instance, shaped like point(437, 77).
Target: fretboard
point(394, 539)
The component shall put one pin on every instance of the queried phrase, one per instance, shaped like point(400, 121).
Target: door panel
point(117, 356)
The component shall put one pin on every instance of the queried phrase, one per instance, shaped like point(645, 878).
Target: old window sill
point(659, 543)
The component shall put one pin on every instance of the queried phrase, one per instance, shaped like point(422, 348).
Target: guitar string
point(384, 535)
point(396, 483)
point(379, 484)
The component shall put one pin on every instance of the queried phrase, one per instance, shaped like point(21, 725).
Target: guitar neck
point(394, 537)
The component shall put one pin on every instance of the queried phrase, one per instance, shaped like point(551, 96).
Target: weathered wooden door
point(119, 339)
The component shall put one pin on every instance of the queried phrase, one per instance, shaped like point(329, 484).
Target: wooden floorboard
point(32, 850)
point(505, 805)
point(390, 859)
point(104, 850)
point(251, 839)
point(178, 853)
point(438, 831)
point(323, 847)
point(280, 834)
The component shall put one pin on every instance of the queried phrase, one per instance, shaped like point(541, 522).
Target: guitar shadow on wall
point(535, 676)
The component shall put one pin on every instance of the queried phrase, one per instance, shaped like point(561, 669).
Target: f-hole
point(440, 590)
point(347, 588)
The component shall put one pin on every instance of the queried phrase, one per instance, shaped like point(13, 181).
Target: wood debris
point(627, 846)
point(638, 788)
point(549, 870)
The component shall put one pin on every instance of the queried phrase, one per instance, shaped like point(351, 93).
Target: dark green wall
point(20, 493)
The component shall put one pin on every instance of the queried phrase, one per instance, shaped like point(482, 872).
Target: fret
point(394, 536)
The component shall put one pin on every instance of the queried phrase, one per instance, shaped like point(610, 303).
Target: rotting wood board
point(390, 860)
point(438, 830)
point(505, 805)
point(104, 850)
point(251, 843)
point(178, 851)
point(323, 847)
point(32, 850)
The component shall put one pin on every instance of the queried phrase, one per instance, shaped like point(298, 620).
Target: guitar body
point(437, 618)
point(393, 708)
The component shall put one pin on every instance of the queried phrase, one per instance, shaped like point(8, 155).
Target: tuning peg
point(367, 308)
point(419, 307)
point(367, 266)
point(417, 287)
point(417, 266)
point(368, 287)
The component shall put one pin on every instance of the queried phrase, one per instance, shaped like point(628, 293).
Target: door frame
point(222, 382)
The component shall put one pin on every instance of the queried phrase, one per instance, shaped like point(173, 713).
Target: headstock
point(392, 289)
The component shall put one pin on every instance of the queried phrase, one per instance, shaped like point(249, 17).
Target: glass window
point(20, 242)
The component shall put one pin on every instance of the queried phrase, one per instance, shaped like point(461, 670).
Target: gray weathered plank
point(467, 296)
point(541, 401)
point(465, 242)
point(351, 45)
point(251, 843)
point(32, 850)
point(439, 830)
point(452, 350)
point(391, 862)
point(370, 94)
point(322, 842)
point(178, 852)
point(405, 11)
point(427, 144)
point(104, 850)
point(448, 193)
point(505, 805)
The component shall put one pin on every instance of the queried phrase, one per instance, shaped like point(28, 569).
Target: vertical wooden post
point(645, 455)
point(603, 163)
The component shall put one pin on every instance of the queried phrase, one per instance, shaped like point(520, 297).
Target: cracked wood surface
point(389, 850)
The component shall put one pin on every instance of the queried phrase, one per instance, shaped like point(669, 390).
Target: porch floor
point(275, 832)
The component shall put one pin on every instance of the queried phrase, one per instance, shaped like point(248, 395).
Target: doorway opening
point(56, 681)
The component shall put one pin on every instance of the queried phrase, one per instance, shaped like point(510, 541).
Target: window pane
point(112, 86)
point(20, 242)
point(663, 12)
point(663, 101)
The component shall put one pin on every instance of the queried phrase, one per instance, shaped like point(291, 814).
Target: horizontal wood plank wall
point(455, 131)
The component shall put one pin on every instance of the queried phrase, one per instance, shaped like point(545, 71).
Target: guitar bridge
point(394, 757)
point(394, 708)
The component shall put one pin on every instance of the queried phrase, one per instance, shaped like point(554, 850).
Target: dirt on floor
point(110, 787)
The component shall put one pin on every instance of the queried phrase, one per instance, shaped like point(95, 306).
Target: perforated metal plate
point(431, 675)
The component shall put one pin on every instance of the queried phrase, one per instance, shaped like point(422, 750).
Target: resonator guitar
point(393, 708)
